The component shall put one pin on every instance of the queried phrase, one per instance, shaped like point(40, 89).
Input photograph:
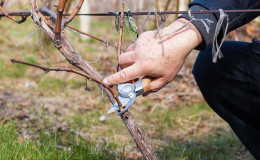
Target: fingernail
point(105, 81)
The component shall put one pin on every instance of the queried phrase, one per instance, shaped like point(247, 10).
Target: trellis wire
point(27, 13)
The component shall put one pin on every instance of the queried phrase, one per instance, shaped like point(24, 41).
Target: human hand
point(162, 61)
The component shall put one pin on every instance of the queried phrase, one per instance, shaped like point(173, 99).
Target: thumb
point(124, 75)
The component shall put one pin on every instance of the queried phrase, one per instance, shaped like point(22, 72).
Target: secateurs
point(128, 92)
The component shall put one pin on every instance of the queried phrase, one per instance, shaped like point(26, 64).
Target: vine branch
point(11, 17)
point(61, 69)
point(59, 22)
point(121, 32)
point(74, 13)
point(94, 37)
point(53, 16)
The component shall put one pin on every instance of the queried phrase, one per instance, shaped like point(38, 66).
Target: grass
point(52, 83)
point(13, 71)
point(68, 145)
point(171, 116)
point(55, 146)
point(225, 147)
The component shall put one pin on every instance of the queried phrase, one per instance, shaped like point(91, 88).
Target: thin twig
point(121, 32)
point(48, 12)
point(39, 12)
point(94, 37)
point(119, 51)
point(46, 21)
point(61, 69)
point(48, 4)
point(59, 22)
point(12, 18)
point(74, 13)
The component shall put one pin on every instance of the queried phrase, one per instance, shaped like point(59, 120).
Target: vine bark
point(76, 60)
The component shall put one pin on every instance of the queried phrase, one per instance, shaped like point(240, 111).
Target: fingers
point(131, 47)
point(130, 70)
point(157, 84)
point(124, 75)
point(126, 59)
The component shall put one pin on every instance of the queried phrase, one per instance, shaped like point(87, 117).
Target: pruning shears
point(129, 91)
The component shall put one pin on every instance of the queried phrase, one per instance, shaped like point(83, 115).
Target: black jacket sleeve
point(236, 19)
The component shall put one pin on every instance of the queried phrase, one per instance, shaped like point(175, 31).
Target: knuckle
point(155, 89)
point(131, 47)
point(123, 74)
point(113, 79)
point(108, 80)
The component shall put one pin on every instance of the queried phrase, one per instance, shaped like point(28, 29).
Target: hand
point(162, 61)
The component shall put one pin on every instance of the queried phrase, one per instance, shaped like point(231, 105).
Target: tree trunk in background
point(2, 2)
point(167, 5)
point(68, 5)
point(85, 20)
point(157, 4)
point(140, 7)
point(183, 5)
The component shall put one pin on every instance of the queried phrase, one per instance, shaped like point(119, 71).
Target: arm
point(236, 19)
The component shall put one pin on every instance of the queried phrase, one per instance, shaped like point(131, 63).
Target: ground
point(52, 116)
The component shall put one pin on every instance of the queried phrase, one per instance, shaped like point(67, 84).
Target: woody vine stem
point(54, 30)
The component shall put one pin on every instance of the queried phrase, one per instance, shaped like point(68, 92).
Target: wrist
point(194, 35)
point(186, 38)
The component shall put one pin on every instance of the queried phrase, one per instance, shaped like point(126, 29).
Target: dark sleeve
point(236, 19)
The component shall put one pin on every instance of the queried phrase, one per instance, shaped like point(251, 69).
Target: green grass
point(58, 84)
point(11, 70)
point(52, 83)
point(54, 146)
point(210, 146)
point(66, 145)
point(170, 116)
point(30, 59)
point(224, 147)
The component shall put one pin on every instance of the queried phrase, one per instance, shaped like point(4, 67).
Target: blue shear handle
point(130, 103)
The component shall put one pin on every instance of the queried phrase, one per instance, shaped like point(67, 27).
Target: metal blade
point(130, 103)
point(115, 107)
point(123, 100)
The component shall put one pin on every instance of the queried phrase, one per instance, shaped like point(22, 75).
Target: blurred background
point(54, 116)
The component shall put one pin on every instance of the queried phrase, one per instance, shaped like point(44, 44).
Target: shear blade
point(113, 109)
point(124, 102)
point(130, 103)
